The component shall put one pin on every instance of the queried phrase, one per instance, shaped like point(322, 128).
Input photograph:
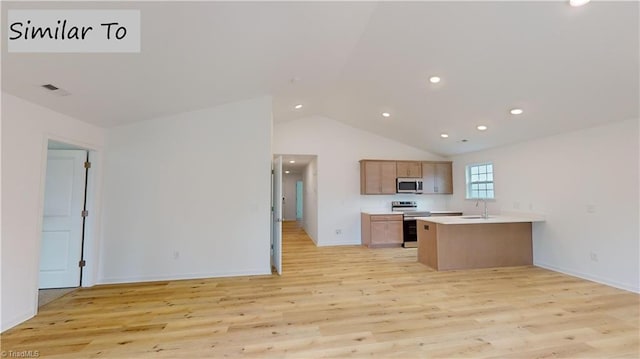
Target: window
point(480, 181)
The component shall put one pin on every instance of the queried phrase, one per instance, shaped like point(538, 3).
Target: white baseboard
point(349, 243)
point(166, 277)
point(12, 322)
point(605, 281)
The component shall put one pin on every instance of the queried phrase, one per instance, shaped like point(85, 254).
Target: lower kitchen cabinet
point(381, 230)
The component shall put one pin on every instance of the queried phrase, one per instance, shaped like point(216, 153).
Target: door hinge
point(85, 213)
point(82, 263)
point(87, 165)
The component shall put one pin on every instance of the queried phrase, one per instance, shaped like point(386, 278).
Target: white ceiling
point(300, 162)
point(568, 68)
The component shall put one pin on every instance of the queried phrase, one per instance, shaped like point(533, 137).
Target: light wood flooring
point(341, 302)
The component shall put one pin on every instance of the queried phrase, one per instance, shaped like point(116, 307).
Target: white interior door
point(276, 253)
point(61, 244)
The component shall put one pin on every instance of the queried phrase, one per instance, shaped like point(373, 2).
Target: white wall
point(562, 177)
point(290, 195)
point(339, 148)
point(26, 127)
point(188, 195)
point(310, 200)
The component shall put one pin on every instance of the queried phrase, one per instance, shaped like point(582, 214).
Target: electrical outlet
point(176, 254)
point(591, 208)
point(338, 232)
point(593, 256)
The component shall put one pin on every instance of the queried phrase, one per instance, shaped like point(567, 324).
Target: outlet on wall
point(338, 232)
point(591, 208)
point(593, 256)
point(176, 254)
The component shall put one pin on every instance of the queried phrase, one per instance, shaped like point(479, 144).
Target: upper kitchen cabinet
point(377, 177)
point(410, 169)
point(437, 177)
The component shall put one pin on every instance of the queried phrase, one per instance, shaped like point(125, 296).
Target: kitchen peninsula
point(447, 243)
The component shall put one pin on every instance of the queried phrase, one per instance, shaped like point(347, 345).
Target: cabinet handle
point(426, 227)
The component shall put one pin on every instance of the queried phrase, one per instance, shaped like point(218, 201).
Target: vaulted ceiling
point(566, 67)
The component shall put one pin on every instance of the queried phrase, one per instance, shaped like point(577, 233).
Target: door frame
point(91, 243)
point(276, 213)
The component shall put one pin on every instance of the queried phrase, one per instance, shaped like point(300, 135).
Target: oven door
point(409, 232)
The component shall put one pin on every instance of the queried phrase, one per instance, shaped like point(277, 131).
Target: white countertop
point(381, 213)
point(444, 212)
point(389, 213)
point(477, 220)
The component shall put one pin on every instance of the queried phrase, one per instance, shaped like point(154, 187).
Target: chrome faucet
point(485, 214)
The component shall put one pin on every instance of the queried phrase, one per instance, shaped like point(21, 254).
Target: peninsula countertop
point(477, 219)
point(381, 213)
point(389, 213)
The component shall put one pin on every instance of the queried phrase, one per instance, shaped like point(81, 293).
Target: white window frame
point(488, 182)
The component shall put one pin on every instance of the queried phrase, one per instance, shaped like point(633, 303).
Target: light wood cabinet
point(437, 177)
point(408, 169)
point(377, 177)
point(381, 230)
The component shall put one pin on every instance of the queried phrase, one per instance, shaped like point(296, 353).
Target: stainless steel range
point(409, 211)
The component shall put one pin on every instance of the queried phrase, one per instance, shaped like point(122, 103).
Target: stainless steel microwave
point(409, 185)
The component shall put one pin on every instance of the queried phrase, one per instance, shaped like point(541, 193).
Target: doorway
point(300, 191)
point(299, 206)
point(63, 220)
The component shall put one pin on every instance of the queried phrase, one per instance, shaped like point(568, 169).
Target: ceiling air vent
point(55, 90)
point(50, 87)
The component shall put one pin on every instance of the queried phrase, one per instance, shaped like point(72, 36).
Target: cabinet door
point(388, 177)
point(378, 177)
point(429, 177)
point(444, 178)
point(386, 232)
point(394, 232)
point(415, 170)
point(409, 169)
point(402, 169)
point(437, 177)
point(372, 178)
point(378, 232)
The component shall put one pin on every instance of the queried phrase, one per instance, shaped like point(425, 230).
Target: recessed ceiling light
point(386, 114)
point(434, 79)
point(298, 106)
point(576, 3)
point(292, 161)
point(287, 172)
point(444, 135)
point(482, 128)
point(516, 111)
